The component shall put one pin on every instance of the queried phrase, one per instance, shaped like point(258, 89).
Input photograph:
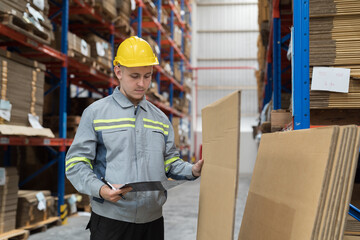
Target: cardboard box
point(280, 119)
point(28, 212)
point(176, 125)
point(124, 8)
point(301, 185)
point(177, 72)
point(22, 85)
point(100, 50)
point(76, 45)
point(8, 199)
point(219, 177)
point(107, 7)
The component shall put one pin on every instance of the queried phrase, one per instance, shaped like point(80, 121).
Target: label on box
point(5, 110)
point(331, 79)
point(2, 176)
point(42, 201)
point(40, 4)
point(100, 49)
point(72, 203)
point(133, 5)
point(34, 121)
point(84, 48)
point(157, 49)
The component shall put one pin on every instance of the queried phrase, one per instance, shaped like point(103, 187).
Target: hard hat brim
point(128, 63)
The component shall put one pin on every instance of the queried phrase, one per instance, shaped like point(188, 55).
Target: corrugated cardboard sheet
point(218, 189)
point(8, 200)
point(301, 185)
point(21, 83)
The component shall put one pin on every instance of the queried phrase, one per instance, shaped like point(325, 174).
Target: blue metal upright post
point(139, 30)
point(171, 88)
point(158, 41)
point(276, 63)
point(7, 156)
point(300, 65)
point(112, 43)
point(63, 99)
point(182, 5)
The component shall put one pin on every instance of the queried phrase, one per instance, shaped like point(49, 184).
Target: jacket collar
point(124, 102)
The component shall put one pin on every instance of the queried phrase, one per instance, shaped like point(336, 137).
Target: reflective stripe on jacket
point(124, 144)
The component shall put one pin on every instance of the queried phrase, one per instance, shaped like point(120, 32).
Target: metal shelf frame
point(174, 50)
point(62, 64)
point(301, 78)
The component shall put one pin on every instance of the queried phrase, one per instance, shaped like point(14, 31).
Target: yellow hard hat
point(135, 52)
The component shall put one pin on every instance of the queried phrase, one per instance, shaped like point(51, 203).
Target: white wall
point(225, 34)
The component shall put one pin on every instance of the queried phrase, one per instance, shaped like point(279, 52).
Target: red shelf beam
point(169, 78)
point(33, 141)
point(167, 109)
point(14, 35)
point(179, 22)
point(188, 5)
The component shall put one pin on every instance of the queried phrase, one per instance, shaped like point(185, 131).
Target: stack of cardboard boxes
point(34, 207)
point(28, 17)
point(22, 89)
point(9, 181)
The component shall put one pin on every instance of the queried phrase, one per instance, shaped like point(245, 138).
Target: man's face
point(134, 81)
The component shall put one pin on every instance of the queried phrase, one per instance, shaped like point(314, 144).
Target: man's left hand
point(196, 168)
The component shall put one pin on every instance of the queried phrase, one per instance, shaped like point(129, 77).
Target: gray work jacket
point(124, 144)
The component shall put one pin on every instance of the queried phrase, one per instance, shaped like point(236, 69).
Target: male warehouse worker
point(124, 138)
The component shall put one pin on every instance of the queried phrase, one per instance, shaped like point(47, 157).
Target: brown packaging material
point(107, 7)
point(28, 212)
point(218, 189)
point(301, 185)
point(100, 50)
point(280, 119)
point(76, 45)
point(177, 72)
point(22, 84)
point(8, 200)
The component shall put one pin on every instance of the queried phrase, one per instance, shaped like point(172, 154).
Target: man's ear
point(118, 72)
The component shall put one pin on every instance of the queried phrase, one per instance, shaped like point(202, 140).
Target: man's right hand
point(113, 195)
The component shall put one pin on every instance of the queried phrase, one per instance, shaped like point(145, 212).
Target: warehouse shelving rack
point(301, 78)
point(59, 63)
point(175, 53)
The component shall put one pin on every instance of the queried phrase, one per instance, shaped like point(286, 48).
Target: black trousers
point(102, 228)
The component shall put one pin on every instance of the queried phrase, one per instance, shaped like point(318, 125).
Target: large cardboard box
point(301, 185)
point(219, 177)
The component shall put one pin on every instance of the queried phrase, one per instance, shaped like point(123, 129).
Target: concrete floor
point(180, 214)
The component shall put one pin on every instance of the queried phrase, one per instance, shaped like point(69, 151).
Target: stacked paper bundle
point(22, 87)
point(8, 198)
point(335, 42)
point(34, 207)
point(302, 184)
point(29, 17)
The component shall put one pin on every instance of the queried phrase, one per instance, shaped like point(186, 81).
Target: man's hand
point(196, 168)
point(113, 195)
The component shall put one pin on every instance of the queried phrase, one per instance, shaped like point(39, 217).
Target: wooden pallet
point(18, 234)
point(103, 69)
point(19, 25)
point(81, 58)
point(43, 225)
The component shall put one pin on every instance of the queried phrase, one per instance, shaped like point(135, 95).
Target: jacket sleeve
point(80, 158)
point(175, 167)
